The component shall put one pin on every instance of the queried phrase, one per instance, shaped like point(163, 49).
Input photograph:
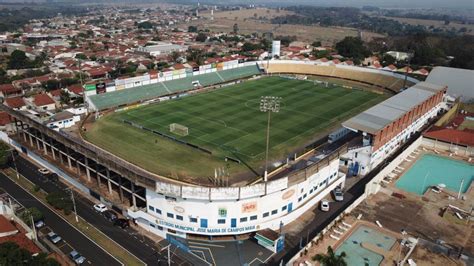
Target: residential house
point(8, 90)
point(43, 102)
point(17, 103)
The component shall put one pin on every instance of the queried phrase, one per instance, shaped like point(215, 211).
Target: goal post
point(179, 129)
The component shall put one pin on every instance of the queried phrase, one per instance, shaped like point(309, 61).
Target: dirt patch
point(258, 20)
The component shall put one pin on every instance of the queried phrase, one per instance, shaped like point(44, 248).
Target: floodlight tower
point(269, 104)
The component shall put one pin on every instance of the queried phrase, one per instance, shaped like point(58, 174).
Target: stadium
point(183, 152)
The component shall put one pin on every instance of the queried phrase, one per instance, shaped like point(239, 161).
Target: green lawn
point(229, 123)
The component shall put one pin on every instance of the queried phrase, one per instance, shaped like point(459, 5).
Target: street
point(81, 243)
point(140, 246)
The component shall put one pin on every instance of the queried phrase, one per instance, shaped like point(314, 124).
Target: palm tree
point(331, 259)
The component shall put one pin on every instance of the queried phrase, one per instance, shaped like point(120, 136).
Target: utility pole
point(74, 205)
point(14, 164)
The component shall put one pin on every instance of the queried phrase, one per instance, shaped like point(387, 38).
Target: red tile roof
point(5, 225)
point(5, 119)
point(42, 99)
point(8, 88)
point(76, 89)
point(55, 93)
point(464, 137)
point(15, 102)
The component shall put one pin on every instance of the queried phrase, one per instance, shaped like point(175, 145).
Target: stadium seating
point(147, 92)
point(385, 81)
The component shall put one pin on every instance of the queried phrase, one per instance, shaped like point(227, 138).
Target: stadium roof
point(384, 113)
point(460, 82)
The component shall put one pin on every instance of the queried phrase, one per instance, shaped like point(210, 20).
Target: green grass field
point(228, 122)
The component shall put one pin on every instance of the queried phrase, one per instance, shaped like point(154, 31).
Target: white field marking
point(219, 76)
point(166, 87)
point(75, 227)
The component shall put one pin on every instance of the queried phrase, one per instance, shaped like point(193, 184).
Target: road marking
point(255, 260)
point(205, 244)
point(210, 253)
point(42, 203)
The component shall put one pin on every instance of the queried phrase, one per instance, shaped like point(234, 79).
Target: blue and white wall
point(235, 210)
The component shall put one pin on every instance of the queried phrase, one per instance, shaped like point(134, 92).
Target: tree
point(51, 84)
point(235, 28)
point(81, 56)
point(388, 60)
point(192, 28)
point(61, 201)
point(27, 214)
point(352, 47)
point(4, 154)
point(316, 44)
point(18, 60)
point(175, 55)
point(12, 254)
point(145, 25)
point(331, 259)
point(201, 37)
point(64, 98)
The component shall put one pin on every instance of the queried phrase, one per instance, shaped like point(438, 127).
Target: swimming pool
point(431, 170)
point(356, 254)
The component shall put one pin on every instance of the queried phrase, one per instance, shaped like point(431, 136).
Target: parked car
point(53, 237)
point(324, 206)
point(338, 195)
point(122, 223)
point(39, 224)
point(44, 171)
point(100, 207)
point(110, 215)
point(76, 257)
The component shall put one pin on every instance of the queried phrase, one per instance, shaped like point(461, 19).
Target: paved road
point(142, 247)
point(77, 240)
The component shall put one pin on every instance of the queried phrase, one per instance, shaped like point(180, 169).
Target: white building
point(276, 48)
point(61, 120)
point(161, 48)
point(217, 211)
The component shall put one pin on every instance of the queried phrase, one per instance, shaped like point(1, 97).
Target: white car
point(100, 207)
point(44, 171)
point(338, 195)
point(53, 237)
point(76, 257)
point(324, 206)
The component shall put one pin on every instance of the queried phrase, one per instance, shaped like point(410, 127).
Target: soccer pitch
point(228, 122)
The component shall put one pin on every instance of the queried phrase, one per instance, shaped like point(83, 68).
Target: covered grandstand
point(126, 96)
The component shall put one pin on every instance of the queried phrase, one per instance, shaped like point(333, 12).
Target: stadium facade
point(169, 207)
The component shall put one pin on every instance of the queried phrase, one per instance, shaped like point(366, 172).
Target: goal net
point(179, 129)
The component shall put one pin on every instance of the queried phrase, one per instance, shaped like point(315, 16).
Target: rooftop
point(384, 113)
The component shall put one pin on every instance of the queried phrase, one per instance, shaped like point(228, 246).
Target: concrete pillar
point(78, 167)
point(60, 156)
point(134, 200)
point(88, 173)
point(68, 157)
point(37, 142)
point(52, 149)
point(31, 139)
point(44, 144)
point(24, 134)
point(120, 189)
point(109, 184)
point(97, 174)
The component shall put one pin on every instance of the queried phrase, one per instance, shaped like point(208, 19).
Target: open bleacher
point(155, 90)
point(377, 79)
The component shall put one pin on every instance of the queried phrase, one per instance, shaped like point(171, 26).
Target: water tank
point(276, 48)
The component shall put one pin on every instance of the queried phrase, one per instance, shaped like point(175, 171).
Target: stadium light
point(269, 104)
